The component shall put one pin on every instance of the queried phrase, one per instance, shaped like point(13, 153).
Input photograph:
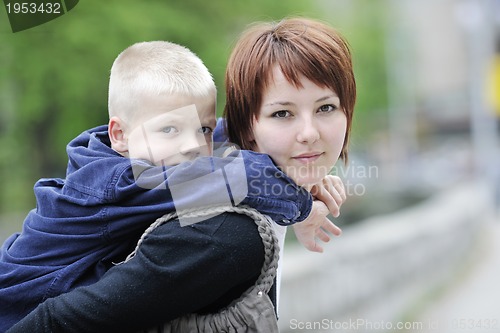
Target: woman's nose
point(308, 131)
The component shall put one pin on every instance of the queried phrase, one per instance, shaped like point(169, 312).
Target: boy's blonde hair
point(153, 68)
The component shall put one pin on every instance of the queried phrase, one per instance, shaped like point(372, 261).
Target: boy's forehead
point(183, 113)
point(176, 105)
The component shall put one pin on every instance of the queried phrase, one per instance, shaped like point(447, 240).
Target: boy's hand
point(329, 196)
point(315, 226)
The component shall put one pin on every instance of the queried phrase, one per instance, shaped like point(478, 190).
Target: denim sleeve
point(244, 178)
point(241, 178)
point(271, 191)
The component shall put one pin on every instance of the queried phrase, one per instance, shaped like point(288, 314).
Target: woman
point(299, 107)
point(290, 94)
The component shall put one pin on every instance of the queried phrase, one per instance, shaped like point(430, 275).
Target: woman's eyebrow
point(286, 103)
point(326, 97)
point(279, 103)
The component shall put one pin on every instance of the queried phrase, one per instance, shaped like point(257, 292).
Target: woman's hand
point(328, 197)
point(331, 192)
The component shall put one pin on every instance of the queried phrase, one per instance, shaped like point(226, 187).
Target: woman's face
point(302, 129)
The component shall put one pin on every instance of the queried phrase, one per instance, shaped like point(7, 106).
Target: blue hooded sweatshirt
point(91, 219)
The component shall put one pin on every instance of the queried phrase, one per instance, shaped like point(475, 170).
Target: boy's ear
point(117, 136)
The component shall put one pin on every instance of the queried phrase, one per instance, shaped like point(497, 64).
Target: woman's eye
point(206, 130)
point(169, 129)
point(327, 108)
point(281, 114)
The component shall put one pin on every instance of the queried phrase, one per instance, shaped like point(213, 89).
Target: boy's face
point(171, 129)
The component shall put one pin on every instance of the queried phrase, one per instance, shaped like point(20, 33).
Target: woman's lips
point(307, 157)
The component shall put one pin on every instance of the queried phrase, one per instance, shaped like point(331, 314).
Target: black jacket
point(177, 270)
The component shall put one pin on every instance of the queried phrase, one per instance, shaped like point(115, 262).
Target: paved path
point(472, 304)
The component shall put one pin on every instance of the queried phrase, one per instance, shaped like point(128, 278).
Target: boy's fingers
point(332, 228)
point(313, 246)
point(322, 235)
point(333, 208)
point(316, 248)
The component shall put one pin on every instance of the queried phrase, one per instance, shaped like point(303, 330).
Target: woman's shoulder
point(225, 249)
point(220, 242)
point(224, 230)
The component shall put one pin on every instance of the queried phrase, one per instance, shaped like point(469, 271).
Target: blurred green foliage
point(54, 77)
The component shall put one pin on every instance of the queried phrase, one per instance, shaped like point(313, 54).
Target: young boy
point(162, 114)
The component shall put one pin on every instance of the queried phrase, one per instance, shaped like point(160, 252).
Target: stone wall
point(380, 267)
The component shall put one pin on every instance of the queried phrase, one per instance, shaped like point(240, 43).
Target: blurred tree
point(54, 77)
point(363, 23)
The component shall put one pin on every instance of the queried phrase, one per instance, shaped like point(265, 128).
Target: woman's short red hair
point(299, 46)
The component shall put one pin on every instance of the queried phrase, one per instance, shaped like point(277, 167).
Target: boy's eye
point(169, 129)
point(327, 108)
point(206, 130)
point(281, 114)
